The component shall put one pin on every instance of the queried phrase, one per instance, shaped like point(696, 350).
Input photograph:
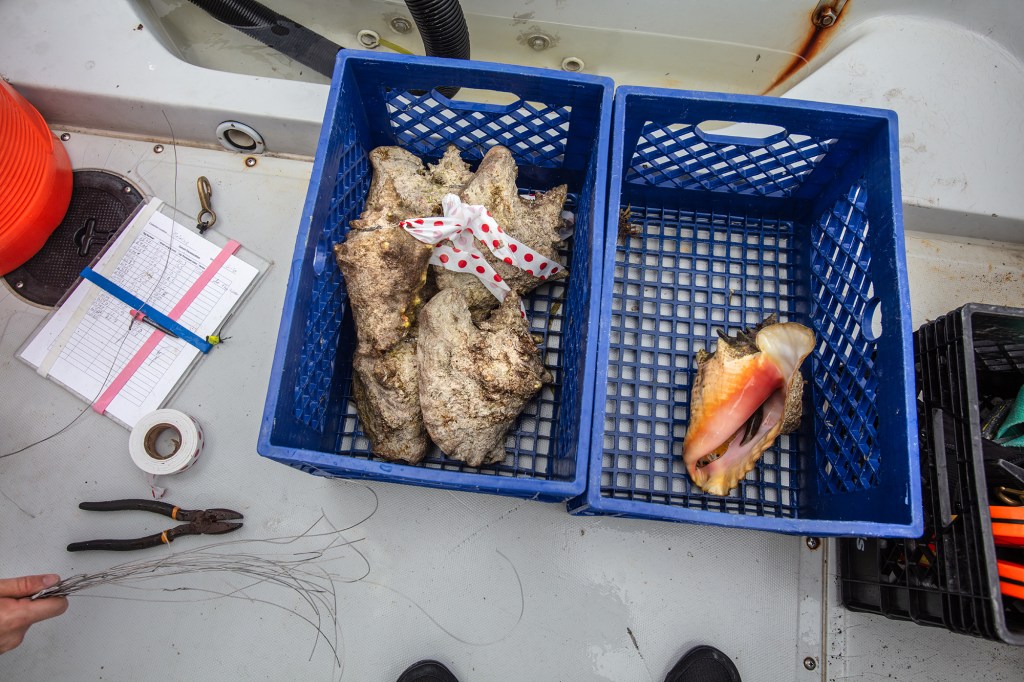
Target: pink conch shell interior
point(783, 347)
point(722, 475)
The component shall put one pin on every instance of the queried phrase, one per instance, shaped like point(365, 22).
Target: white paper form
point(87, 343)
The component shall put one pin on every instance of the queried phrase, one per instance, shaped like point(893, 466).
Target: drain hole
point(238, 137)
point(240, 140)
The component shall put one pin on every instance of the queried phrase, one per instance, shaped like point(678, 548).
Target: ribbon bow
point(460, 224)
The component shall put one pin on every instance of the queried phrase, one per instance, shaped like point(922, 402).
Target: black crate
point(948, 577)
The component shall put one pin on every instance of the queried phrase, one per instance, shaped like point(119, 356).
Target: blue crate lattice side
point(323, 323)
point(576, 331)
point(845, 383)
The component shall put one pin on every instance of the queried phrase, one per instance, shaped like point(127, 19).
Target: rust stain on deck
point(817, 38)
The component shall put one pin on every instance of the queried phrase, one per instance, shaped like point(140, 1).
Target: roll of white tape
point(185, 436)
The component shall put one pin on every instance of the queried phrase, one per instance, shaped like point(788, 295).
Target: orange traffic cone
point(35, 180)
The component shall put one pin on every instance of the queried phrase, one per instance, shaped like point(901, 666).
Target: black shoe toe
point(427, 671)
point(704, 664)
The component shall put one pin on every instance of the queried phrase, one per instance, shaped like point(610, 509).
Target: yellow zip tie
point(391, 46)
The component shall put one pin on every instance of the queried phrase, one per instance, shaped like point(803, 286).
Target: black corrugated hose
point(275, 30)
point(440, 22)
point(442, 27)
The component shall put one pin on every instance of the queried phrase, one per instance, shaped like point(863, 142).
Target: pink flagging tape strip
point(103, 402)
point(122, 378)
point(204, 279)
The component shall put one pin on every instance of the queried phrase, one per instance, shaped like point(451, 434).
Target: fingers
point(26, 585)
point(34, 611)
point(17, 615)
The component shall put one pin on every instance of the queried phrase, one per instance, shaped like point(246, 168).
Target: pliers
point(206, 521)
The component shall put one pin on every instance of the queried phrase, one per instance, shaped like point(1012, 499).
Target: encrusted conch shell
point(747, 392)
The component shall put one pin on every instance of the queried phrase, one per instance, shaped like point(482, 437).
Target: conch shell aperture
point(747, 392)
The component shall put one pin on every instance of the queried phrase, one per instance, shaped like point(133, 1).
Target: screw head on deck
point(825, 17)
point(538, 42)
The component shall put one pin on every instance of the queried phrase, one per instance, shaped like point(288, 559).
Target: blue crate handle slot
point(741, 140)
point(466, 105)
point(871, 309)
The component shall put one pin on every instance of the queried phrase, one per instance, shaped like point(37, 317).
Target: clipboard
point(187, 286)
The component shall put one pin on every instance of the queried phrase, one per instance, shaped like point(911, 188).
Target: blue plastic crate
point(797, 214)
point(558, 129)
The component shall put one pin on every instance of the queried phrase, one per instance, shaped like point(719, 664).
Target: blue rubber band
point(135, 302)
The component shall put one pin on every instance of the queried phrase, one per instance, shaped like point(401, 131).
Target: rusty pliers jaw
point(211, 521)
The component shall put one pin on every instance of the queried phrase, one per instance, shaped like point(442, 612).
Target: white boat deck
point(496, 588)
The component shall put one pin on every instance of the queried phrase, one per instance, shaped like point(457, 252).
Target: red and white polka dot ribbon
point(460, 224)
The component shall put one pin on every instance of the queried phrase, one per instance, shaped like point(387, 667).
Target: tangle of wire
point(127, 333)
point(301, 571)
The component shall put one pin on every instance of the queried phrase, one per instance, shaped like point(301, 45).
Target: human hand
point(18, 612)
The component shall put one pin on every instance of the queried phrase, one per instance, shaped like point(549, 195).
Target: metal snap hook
point(207, 217)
